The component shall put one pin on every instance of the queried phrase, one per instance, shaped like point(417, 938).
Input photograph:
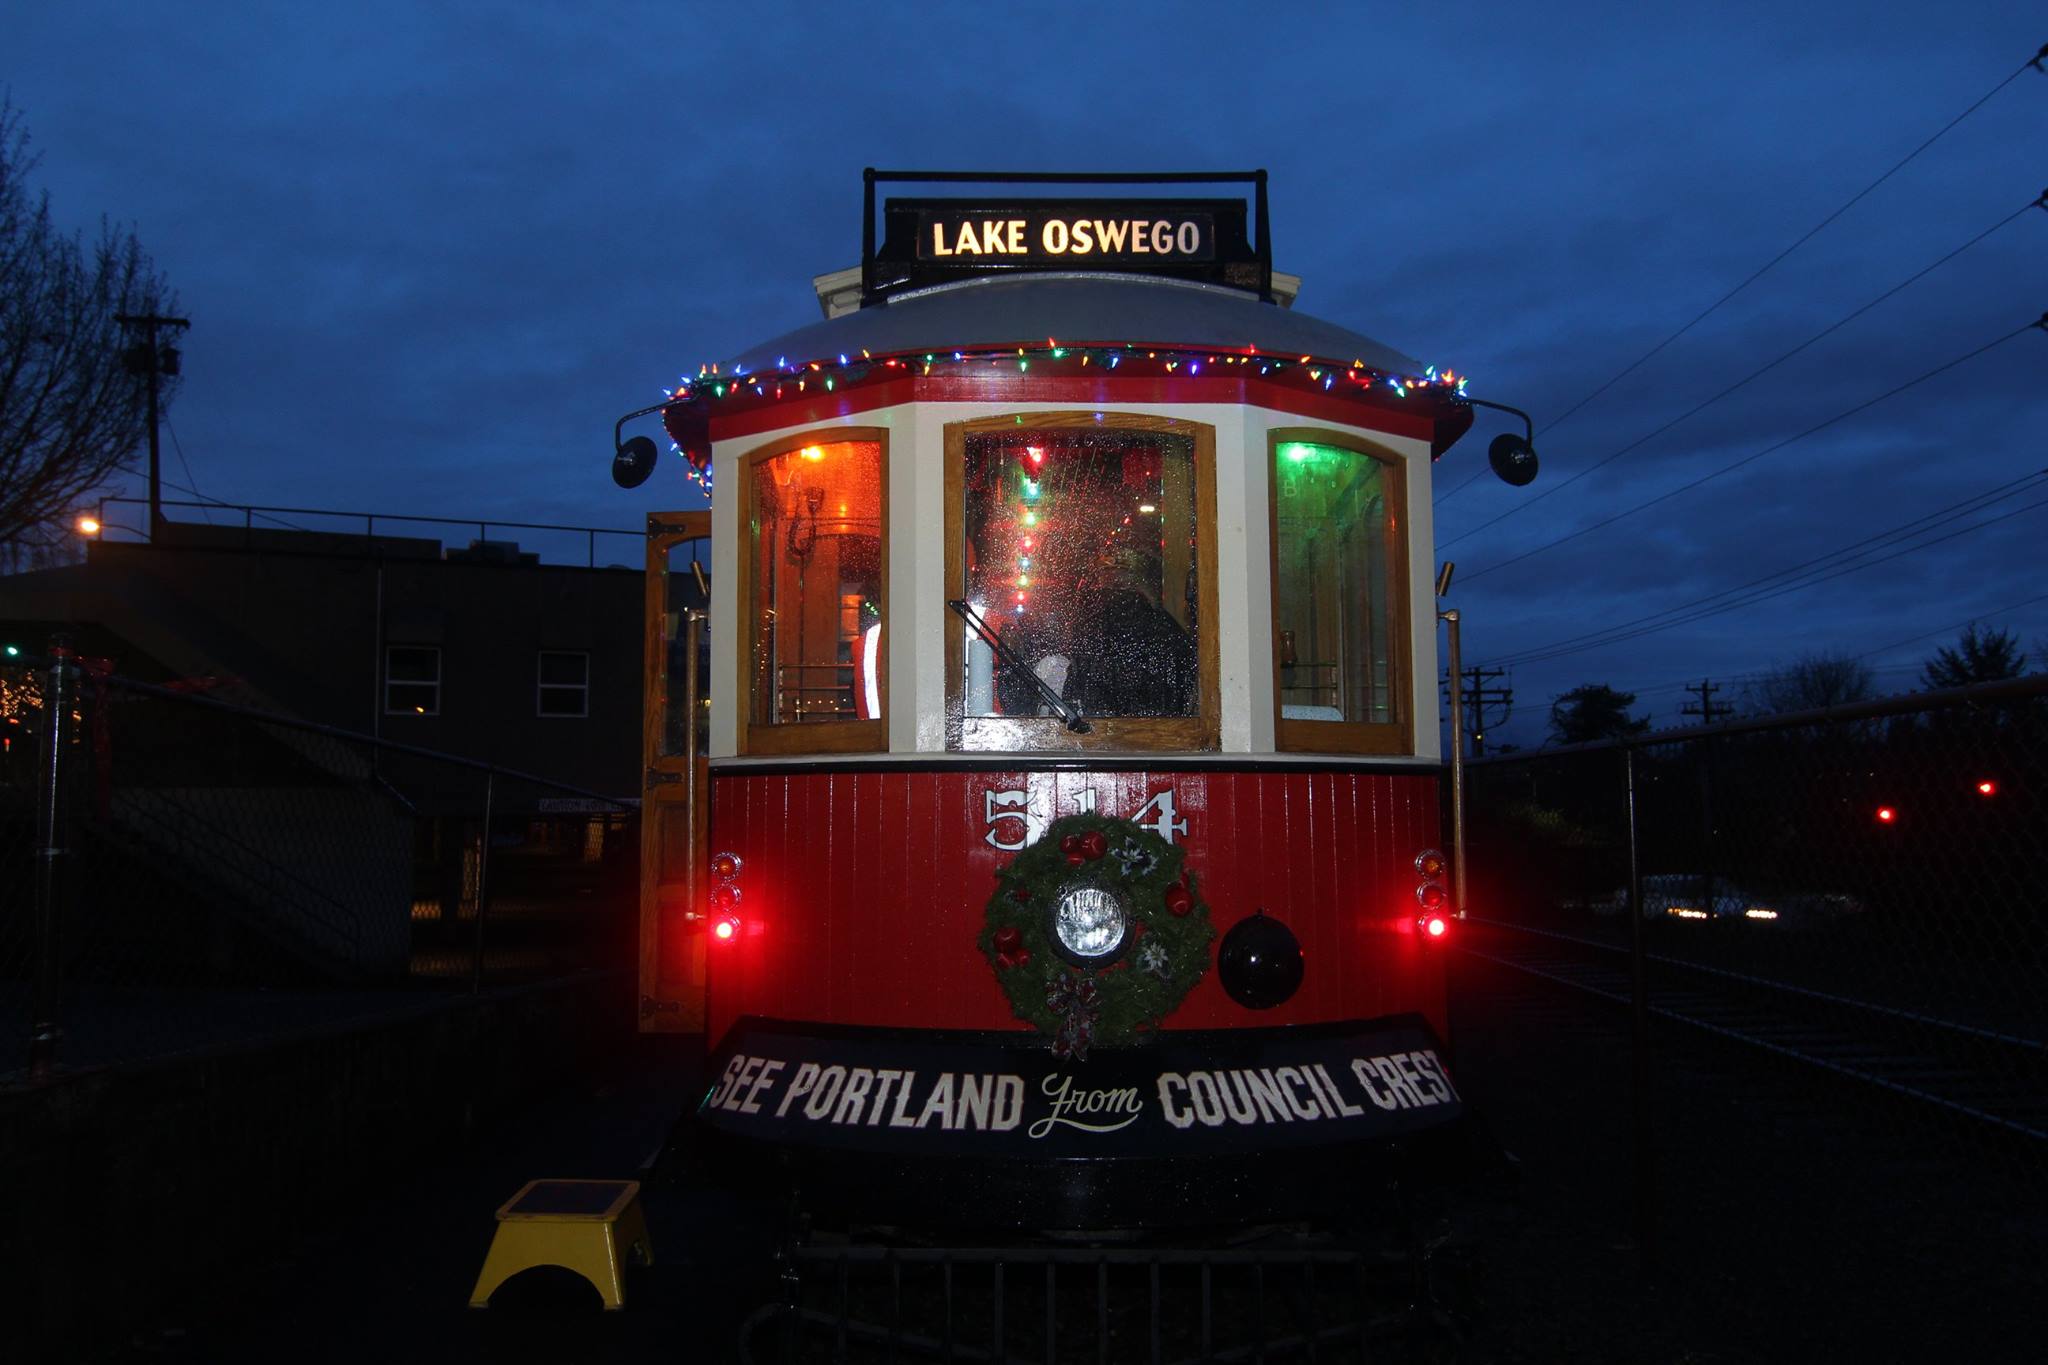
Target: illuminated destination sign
point(1062, 237)
point(933, 241)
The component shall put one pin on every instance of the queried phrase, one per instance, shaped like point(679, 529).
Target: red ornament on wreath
point(1094, 844)
point(1179, 900)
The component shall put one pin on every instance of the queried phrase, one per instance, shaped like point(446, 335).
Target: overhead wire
point(183, 464)
point(1523, 505)
point(2036, 62)
point(1809, 235)
point(1808, 571)
point(1773, 448)
point(1781, 590)
point(1958, 625)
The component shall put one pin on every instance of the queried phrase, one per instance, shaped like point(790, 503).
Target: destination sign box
point(888, 1090)
point(930, 241)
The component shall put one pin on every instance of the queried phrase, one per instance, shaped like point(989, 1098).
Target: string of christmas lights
point(711, 385)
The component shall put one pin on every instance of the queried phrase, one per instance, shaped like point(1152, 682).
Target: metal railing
point(274, 517)
point(1295, 1299)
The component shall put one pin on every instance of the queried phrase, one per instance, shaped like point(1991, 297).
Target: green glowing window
point(1339, 598)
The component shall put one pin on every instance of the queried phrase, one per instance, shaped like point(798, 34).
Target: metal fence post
point(1639, 1029)
point(43, 1029)
point(483, 885)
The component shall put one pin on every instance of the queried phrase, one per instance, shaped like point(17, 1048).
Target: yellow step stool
point(588, 1226)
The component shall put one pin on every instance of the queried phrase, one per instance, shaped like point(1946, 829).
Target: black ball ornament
point(1260, 962)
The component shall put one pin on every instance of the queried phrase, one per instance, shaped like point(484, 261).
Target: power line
point(1906, 530)
point(179, 446)
point(1525, 504)
point(1943, 630)
point(1774, 447)
point(1810, 234)
point(1790, 588)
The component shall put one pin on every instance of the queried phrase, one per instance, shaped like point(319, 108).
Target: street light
point(88, 525)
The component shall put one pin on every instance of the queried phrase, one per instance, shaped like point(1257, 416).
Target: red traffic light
point(1987, 788)
point(1885, 815)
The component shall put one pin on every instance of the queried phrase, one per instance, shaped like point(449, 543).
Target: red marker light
point(1433, 926)
point(1885, 815)
point(727, 929)
point(1987, 788)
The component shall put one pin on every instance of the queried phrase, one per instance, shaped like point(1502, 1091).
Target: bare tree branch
point(70, 412)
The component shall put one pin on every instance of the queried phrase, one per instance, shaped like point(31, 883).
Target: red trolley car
point(1042, 742)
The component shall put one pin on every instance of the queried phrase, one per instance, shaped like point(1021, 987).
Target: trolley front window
point(814, 590)
point(1079, 542)
point(1340, 633)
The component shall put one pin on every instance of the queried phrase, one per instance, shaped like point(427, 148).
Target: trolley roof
point(1077, 309)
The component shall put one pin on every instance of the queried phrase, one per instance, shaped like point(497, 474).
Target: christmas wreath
point(1096, 933)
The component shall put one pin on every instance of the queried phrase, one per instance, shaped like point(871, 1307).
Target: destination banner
point(933, 240)
point(990, 1094)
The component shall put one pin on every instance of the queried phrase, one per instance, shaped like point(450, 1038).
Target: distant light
point(14, 651)
point(1759, 912)
point(419, 710)
point(1147, 508)
point(1987, 788)
point(1885, 815)
point(1685, 912)
point(88, 526)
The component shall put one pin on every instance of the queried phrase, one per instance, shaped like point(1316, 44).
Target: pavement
point(1786, 1230)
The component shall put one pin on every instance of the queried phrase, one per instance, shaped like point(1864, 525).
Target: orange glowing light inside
point(812, 452)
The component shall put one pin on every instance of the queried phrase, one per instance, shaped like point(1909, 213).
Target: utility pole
point(147, 359)
point(1477, 694)
point(1706, 708)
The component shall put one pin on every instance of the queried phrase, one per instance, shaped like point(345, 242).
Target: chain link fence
point(1808, 955)
point(179, 874)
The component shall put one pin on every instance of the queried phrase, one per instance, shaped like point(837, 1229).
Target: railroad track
point(1987, 1076)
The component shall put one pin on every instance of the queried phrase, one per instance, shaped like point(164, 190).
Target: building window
point(412, 680)
point(1084, 544)
point(564, 688)
point(815, 588)
point(1340, 630)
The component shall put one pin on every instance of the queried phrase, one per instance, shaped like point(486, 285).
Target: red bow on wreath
point(1075, 999)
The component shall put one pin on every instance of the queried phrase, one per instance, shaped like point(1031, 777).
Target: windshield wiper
point(1015, 662)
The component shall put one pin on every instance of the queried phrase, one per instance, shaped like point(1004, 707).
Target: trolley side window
point(1084, 546)
point(814, 589)
point(1339, 596)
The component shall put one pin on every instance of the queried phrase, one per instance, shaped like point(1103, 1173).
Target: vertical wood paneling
point(864, 889)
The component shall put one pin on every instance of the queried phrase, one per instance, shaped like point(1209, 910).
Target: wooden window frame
point(811, 737)
point(1019, 734)
point(1349, 736)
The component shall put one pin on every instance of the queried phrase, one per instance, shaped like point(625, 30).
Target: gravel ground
point(1796, 1218)
point(1794, 1223)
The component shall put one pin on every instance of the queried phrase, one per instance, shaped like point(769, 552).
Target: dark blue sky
point(432, 251)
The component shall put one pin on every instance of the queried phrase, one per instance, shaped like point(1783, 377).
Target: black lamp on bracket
point(1512, 457)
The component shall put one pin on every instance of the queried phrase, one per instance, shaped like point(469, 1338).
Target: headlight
point(1089, 923)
